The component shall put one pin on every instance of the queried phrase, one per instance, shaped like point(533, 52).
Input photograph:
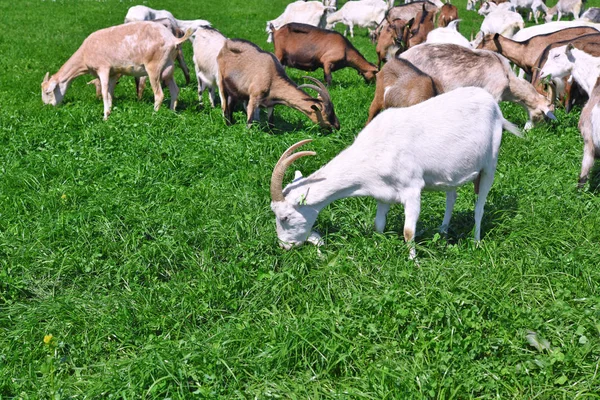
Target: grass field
point(138, 255)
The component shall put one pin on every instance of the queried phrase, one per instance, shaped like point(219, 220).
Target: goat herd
point(442, 126)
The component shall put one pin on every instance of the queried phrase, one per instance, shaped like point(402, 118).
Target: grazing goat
point(247, 73)
point(308, 48)
point(440, 144)
point(448, 34)
point(143, 13)
point(455, 66)
point(406, 12)
point(572, 7)
point(364, 13)
point(592, 14)
point(534, 7)
point(401, 84)
point(136, 48)
point(587, 43)
point(488, 7)
point(447, 14)
point(307, 12)
point(526, 53)
point(207, 43)
point(585, 70)
point(393, 38)
point(503, 22)
point(550, 27)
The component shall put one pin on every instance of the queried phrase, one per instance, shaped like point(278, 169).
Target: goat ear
point(410, 22)
point(550, 115)
point(568, 52)
point(297, 175)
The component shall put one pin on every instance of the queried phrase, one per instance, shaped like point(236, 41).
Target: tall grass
point(138, 256)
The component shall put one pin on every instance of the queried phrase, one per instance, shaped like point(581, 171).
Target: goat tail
point(512, 128)
point(185, 37)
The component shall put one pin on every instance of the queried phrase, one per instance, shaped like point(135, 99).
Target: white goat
point(592, 14)
point(534, 7)
point(572, 7)
point(488, 7)
point(503, 22)
point(440, 144)
point(363, 13)
point(550, 27)
point(585, 69)
point(136, 48)
point(307, 12)
point(448, 34)
point(207, 43)
point(143, 13)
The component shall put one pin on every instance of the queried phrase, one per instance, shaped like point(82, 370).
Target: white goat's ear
point(568, 52)
point(297, 175)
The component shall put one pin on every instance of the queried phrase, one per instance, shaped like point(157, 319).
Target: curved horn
point(286, 159)
point(552, 87)
point(322, 89)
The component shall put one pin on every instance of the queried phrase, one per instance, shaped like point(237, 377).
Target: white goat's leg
point(412, 209)
point(559, 16)
point(173, 91)
point(381, 217)
point(588, 161)
point(211, 96)
point(450, 201)
point(200, 86)
point(106, 100)
point(351, 30)
point(486, 178)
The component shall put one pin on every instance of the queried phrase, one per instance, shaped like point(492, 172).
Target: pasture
point(139, 259)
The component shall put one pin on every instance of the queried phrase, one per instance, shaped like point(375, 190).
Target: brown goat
point(394, 37)
point(401, 84)
point(308, 48)
point(526, 53)
point(447, 14)
point(421, 27)
point(406, 12)
point(248, 73)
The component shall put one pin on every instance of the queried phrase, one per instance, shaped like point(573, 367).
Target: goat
point(421, 28)
point(247, 73)
point(585, 70)
point(526, 53)
point(136, 48)
point(592, 14)
point(489, 6)
point(456, 66)
point(307, 48)
point(447, 14)
point(393, 38)
point(550, 27)
point(143, 13)
point(440, 144)
point(500, 21)
point(207, 43)
point(588, 43)
point(307, 12)
point(572, 7)
point(401, 84)
point(448, 34)
point(364, 13)
point(534, 7)
point(406, 12)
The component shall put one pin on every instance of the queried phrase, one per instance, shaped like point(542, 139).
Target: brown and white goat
point(393, 38)
point(401, 84)
point(421, 27)
point(136, 48)
point(456, 66)
point(308, 48)
point(525, 54)
point(248, 73)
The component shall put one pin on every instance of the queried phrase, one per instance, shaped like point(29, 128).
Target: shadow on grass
point(595, 179)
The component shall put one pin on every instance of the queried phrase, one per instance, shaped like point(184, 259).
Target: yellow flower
point(47, 339)
point(64, 197)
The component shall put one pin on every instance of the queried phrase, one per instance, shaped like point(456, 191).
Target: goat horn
point(553, 91)
point(46, 77)
point(322, 89)
point(286, 159)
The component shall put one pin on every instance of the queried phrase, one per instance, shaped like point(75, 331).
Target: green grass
point(146, 247)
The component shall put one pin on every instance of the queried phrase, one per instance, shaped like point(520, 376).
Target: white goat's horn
point(286, 159)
